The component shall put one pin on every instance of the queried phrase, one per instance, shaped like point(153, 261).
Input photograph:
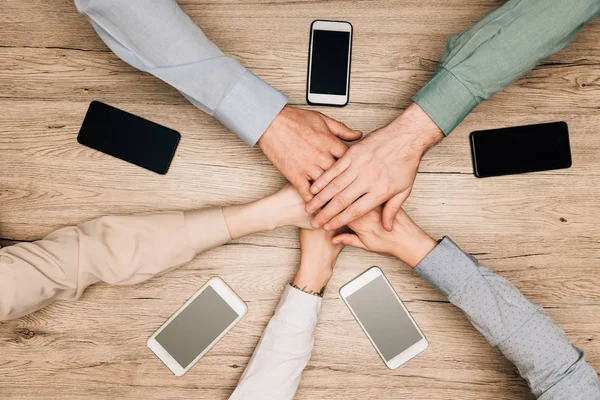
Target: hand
point(381, 168)
point(285, 208)
point(302, 144)
point(406, 241)
point(317, 259)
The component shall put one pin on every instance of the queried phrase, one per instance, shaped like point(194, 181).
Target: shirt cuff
point(299, 306)
point(446, 100)
point(249, 107)
point(447, 267)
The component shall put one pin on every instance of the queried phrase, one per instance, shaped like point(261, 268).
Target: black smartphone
point(329, 56)
point(128, 137)
point(521, 149)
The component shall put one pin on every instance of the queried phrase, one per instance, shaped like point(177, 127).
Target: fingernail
point(314, 224)
point(327, 227)
point(314, 189)
point(310, 209)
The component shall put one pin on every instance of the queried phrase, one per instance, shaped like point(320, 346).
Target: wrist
point(266, 211)
point(246, 219)
point(415, 249)
point(270, 211)
point(415, 126)
point(272, 128)
point(312, 279)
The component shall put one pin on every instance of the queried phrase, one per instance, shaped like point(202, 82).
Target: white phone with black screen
point(197, 326)
point(384, 319)
point(330, 52)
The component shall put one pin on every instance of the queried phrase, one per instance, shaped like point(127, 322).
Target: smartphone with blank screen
point(197, 326)
point(329, 56)
point(128, 137)
point(521, 149)
point(384, 319)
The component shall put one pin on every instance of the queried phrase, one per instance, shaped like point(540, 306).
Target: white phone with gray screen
point(381, 314)
point(197, 326)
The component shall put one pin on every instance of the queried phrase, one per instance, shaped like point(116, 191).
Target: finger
point(349, 239)
point(315, 172)
point(337, 185)
point(326, 160)
point(336, 169)
point(338, 204)
point(338, 149)
point(340, 129)
point(353, 212)
point(303, 187)
point(391, 208)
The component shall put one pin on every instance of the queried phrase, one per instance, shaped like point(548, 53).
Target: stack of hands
point(320, 247)
point(356, 194)
point(306, 146)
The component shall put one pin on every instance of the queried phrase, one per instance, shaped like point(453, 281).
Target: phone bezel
point(329, 99)
point(228, 295)
point(359, 282)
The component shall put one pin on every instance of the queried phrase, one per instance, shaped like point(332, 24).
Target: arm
point(553, 368)
point(285, 347)
point(524, 333)
point(498, 50)
point(477, 63)
point(125, 250)
point(159, 38)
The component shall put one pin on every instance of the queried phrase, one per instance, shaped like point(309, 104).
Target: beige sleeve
point(120, 250)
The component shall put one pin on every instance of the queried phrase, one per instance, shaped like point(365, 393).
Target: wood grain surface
point(541, 231)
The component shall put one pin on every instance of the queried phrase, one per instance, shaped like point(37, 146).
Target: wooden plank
point(110, 348)
point(541, 231)
point(75, 75)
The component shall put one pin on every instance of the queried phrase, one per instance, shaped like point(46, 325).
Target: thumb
point(391, 208)
point(349, 239)
point(340, 129)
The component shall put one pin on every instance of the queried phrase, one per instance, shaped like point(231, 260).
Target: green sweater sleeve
point(498, 50)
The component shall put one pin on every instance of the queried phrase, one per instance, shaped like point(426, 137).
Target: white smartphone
point(381, 314)
point(329, 58)
point(197, 326)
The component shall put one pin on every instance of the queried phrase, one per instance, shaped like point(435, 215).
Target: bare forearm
point(246, 219)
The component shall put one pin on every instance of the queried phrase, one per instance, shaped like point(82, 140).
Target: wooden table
point(541, 231)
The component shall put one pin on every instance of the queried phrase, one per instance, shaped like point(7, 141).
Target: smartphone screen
point(384, 318)
point(196, 327)
point(329, 62)
point(521, 149)
point(329, 65)
point(128, 137)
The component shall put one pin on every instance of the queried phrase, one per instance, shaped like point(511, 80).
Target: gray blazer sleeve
point(526, 335)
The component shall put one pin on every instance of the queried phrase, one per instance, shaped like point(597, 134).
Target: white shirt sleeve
point(283, 351)
point(159, 38)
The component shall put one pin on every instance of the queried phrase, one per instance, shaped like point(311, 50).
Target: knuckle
point(323, 158)
point(337, 184)
point(339, 201)
point(338, 169)
point(304, 189)
point(338, 146)
point(354, 212)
